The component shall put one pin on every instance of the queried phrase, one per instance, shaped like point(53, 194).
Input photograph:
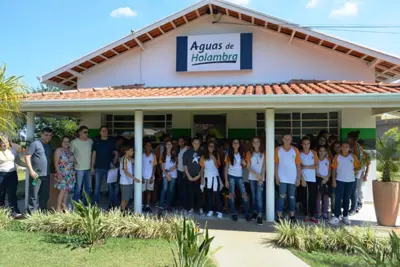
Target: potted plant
point(385, 190)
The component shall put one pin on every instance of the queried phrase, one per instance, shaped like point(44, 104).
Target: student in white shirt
point(255, 160)
point(287, 175)
point(344, 166)
point(234, 164)
point(324, 181)
point(168, 162)
point(309, 164)
point(210, 163)
point(127, 178)
point(149, 163)
point(181, 182)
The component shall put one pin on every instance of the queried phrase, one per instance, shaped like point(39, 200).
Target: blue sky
point(40, 36)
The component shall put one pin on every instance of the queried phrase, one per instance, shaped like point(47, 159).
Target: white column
point(270, 163)
point(30, 136)
point(138, 159)
point(30, 126)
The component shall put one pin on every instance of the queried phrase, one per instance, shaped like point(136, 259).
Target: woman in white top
point(168, 162)
point(234, 164)
point(8, 174)
point(210, 163)
point(309, 164)
point(256, 164)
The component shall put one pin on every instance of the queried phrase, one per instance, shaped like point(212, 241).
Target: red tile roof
point(292, 88)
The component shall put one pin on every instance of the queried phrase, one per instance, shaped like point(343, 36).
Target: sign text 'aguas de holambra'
point(218, 52)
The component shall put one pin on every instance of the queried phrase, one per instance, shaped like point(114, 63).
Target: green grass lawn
point(40, 249)
point(321, 259)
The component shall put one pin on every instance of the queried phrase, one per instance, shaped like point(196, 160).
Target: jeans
point(113, 188)
point(8, 184)
point(83, 176)
point(113, 194)
point(42, 191)
point(354, 196)
point(168, 186)
point(287, 189)
point(239, 182)
point(343, 193)
point(256, 196)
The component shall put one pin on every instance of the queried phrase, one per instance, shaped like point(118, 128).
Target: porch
point(303, 108)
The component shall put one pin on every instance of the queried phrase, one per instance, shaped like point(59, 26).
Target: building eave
point(381, 100)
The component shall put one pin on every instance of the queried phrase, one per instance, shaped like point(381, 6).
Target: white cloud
point(349, 9)
point(240, 2)
point(312, 3)
point(123, 12)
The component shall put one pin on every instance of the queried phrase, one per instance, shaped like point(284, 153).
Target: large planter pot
point(386, 202)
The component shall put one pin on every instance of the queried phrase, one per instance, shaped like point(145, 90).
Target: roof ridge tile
point(51, 93)
point(85, 90)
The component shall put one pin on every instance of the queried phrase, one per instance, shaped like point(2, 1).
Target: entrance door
point(215, 125)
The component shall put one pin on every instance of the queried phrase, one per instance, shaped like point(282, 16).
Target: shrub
point(57, 223)
point(90, 220)
point(325, 238)
point(5, 218)
point(193, 247)
point(381, 256)
point(113, 224)
point(139, 226)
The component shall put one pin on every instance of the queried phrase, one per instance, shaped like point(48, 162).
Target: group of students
point(319, 174)
point(200, 176)
point(201, 173)
point(332, 172)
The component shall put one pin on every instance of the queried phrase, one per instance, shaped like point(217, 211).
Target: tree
point(12, 90)
point(61, 125)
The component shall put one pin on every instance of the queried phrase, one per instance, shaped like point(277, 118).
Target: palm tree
point(11, 91)
point(387, 147)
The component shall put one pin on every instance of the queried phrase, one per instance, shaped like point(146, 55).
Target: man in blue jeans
point(104, 155)
point(81, 148)
point(287, 175)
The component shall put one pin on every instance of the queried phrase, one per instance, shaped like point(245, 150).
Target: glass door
point(214, 125)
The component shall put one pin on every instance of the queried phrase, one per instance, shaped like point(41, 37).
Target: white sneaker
point(334, 221)
point(346, 220)
point(210, 213)
point(219, 215)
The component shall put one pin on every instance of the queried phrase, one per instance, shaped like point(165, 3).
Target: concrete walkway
point(246, 244)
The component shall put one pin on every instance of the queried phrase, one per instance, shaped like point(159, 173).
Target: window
point(300, 124)
point(154, 126)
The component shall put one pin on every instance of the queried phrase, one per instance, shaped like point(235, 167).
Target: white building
point(217, 63)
